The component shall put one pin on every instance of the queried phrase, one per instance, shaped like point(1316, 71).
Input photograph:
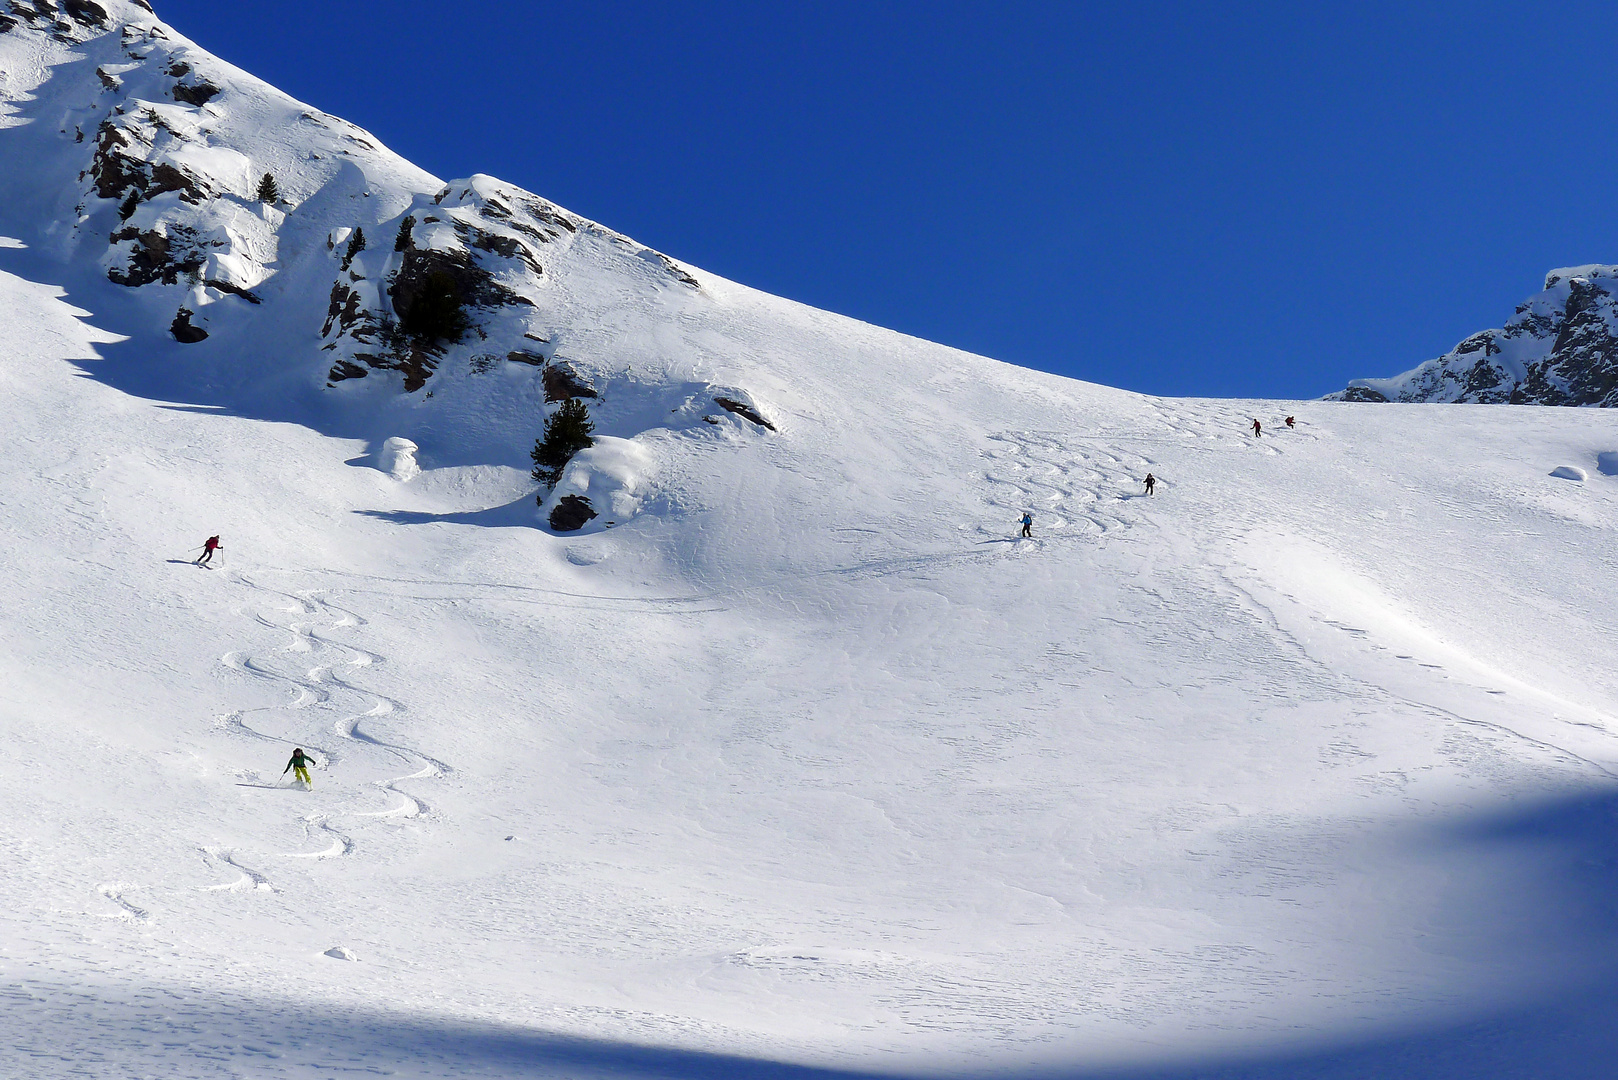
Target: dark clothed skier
point(207, 550)
point(1028, 524)
point(1290, 423)
point(1258, 429)
point(1150, 482)
point(299, 766)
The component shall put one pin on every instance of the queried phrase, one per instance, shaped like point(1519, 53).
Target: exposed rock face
point(1560, 349)
point(190, 89)
point(85, 13)
point(487, 237)
point(571, 513)
point(183, 331)
point(743, 410)
point(475, 285)
point(562, 382)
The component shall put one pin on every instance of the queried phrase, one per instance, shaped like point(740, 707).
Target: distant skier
point(1258, 429)
point(1027, 524)
point(1150, 482)
point(207, 550)
point(300, 768)
point(1290, 423)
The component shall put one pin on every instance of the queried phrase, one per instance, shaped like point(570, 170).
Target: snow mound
point(398, 459)
point(614, 475)
point(1569, 472)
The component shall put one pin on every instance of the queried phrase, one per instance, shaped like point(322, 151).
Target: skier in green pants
point(300, 767)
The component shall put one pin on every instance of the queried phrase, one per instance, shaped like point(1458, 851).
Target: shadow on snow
point(1537, 895)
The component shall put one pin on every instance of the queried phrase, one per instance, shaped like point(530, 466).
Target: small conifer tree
point(402, 241)
point(566, 433)
point(268, 192)
point(356, 244)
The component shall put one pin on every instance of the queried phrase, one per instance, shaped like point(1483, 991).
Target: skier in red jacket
point(207, 550)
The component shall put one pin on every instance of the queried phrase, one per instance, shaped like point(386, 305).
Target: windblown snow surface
point(806, 767)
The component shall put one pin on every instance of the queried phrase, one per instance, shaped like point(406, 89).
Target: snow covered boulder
point(611, 478)
point(398, 459)
point(1568, 472)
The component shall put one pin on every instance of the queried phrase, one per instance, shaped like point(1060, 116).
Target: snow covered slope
point(1560, 349)
point(806, 766)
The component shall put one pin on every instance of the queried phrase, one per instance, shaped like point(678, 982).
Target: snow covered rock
point(742, 405)
point(398, 459)
point(1560, 349)
point(1569, 472)
point(613, 474)
point(562, 382)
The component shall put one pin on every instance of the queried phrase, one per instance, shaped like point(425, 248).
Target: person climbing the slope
point(1150, 482)
point(1258, 429)
point(1027, 524)
point(300, 767)
point(208, 549)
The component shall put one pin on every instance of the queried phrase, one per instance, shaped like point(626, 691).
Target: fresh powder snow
point(794, 760)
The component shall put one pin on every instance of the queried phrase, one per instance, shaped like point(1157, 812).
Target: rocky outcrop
point(474, 284)
point(67, 23)
point(1561, 348)
point(190, 88)
point(473, 247)
point(743, 410)
point(86, 13)
point(562, 382)
point(183, 330)
point(571, 513)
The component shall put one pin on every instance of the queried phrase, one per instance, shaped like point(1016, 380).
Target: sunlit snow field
point(1302, 766)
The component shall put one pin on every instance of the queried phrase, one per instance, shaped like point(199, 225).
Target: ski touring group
point(299, 763)
point(1150, 482)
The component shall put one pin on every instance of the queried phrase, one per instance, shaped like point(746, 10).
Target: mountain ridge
point(1561, 348)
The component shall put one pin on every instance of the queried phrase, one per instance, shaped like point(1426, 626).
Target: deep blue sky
point(1264, 199)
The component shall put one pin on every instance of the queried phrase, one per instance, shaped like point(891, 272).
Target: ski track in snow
point(247, 878)
point(321, 690)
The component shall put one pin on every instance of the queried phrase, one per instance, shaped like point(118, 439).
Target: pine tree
point(356, 244)
point(401, 242)
point(268, 192)
point(566, 433)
